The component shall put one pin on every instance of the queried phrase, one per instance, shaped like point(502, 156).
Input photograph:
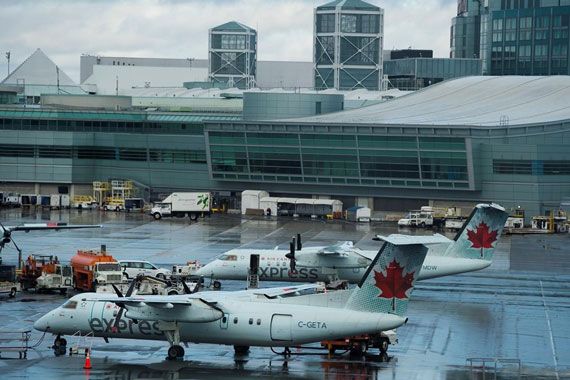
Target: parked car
point(134, 268)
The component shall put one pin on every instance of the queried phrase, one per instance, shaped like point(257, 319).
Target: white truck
point(417, 219)
point(60, 279)
point(180, 205)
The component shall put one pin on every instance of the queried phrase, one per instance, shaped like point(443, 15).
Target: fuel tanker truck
point(95, 269)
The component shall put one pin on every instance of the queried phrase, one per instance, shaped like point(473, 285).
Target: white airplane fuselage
point(259, 323)
point(311, 267)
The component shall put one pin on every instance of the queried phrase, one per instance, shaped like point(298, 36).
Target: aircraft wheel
point(217, 285)
point(175, 352)
point(357, 350)
point(241, 350)
point(384, 346)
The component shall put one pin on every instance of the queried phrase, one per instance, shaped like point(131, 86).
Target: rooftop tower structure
point(233, 55)
point(348, 41)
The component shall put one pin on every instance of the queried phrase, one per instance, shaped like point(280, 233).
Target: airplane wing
point(167, 308)
point(283, 291)
point(398, 239)
point(340, 248)
point(49, 226)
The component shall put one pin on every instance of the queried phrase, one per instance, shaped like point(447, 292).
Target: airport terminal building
point(502, 139)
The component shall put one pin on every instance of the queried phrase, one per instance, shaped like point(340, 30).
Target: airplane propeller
point(7, 238)
point(291, 255)
point(121, 305)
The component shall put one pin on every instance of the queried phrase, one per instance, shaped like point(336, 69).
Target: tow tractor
point(359, 345)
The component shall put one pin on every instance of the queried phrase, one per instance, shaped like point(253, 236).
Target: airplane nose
point(42, 323)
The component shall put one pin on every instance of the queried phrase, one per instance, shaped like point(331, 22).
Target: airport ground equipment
point(95, 268)
point(187, 270)
point(15, 341)
point(8, 284)
point(360, 344)
point(46, 273)
point(84, 202)
point(180, 205)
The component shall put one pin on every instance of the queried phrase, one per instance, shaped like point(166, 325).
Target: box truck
point(180, 205)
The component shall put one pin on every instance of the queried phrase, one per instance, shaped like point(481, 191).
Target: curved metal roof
point(470, 101)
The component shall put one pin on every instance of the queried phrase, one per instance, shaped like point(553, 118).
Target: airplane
point(27, 227)
point(346, 262)
point(273, 317)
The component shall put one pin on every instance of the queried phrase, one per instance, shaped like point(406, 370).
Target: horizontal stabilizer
point(398, 239)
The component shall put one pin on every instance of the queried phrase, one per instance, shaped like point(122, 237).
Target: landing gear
point(175, 352)
point(59, 346)
point(241, 350)
point(217, 285)
point(172, 332)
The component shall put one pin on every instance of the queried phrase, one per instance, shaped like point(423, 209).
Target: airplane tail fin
point(387, 285)
point(480, 233)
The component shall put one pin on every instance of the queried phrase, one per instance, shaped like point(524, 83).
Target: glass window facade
point(102, 153)
point(340, 158)
point(540, 43)
point(532, 167)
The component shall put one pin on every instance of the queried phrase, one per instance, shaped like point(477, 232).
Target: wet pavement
point(519, 308)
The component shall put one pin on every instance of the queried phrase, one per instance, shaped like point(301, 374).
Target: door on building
point(281, 327)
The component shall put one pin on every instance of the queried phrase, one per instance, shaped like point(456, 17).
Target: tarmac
point(515, 314)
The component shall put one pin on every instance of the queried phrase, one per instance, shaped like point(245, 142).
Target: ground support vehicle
point(114, 205)
point(46, 273)
point(180, 205)
point(8, 284)
point(417, 219)
point(185, 271)
point(92, 269)
point(359, 345)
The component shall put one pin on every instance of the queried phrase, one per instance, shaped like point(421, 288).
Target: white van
point(134, 268)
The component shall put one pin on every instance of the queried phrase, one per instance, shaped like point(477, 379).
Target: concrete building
point(514, 37)
point(232, 52)
point(164, 71)
point(348, 41)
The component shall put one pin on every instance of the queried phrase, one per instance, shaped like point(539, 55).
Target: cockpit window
point(228, 257)
point(70, 305)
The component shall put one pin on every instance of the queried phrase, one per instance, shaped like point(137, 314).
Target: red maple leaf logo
point(482, 237)
point(394, 284)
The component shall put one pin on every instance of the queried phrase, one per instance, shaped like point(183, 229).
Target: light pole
point(8, 58)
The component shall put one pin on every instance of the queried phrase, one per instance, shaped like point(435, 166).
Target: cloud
point(179, 28)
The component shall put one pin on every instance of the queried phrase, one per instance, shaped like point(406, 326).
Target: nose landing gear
point(59, 345)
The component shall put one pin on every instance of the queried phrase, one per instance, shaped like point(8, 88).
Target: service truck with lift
point(46, 273)
point(180, 205)
point(92, 269)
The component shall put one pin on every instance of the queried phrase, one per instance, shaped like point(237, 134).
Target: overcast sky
point(64, 29)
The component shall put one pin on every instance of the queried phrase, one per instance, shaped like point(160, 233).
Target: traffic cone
point(87, 361)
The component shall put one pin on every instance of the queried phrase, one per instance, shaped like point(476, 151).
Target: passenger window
point(251, 321)
point(235, 320)
point(70, 305)
point(259, 322)
point(224, 320)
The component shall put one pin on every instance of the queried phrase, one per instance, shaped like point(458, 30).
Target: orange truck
point(45, 273)
point(92, 269)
